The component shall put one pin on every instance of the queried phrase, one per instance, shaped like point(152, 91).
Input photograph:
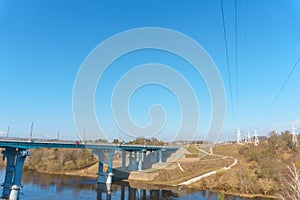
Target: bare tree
point(290, 184)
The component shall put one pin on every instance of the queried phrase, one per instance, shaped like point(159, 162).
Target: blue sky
point(43, 43)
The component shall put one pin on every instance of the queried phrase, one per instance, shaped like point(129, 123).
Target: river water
point(37, 186)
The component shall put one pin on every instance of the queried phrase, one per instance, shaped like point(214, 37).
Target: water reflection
point(59, 184)
point(48, 187)
point(127, 192)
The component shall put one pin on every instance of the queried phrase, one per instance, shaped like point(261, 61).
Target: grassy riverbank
point(258, 173)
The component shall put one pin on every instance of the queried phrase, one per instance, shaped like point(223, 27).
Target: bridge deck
point(45, 144)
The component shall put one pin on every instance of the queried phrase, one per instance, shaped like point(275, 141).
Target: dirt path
point(198, 178)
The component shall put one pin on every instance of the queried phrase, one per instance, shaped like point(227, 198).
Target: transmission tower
point(248, 137)
point(294, 134)
point(238, 136)
point(256, 141)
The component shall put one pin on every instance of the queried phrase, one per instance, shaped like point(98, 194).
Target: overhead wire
point(279, 92)
point(289, 110)
point(227, 60)
point(236, 63)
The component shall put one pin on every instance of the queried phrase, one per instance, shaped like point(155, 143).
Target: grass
point(191, 170)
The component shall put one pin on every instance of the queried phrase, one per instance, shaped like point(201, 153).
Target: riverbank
point(158, 184)
point(89, 172)
point(207, 183)
point(188, 167)
point(232, 181)
point(232, 169)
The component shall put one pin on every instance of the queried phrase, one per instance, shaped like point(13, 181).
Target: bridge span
point(16, 151)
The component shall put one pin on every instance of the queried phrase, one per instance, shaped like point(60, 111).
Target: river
point(37, 186)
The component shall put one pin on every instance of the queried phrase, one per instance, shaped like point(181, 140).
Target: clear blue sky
point(43, 43)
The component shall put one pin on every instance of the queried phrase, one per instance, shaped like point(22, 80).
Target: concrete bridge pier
point(140, 161)
point(159, 156)
point(105, 166)
point(153, 157)
point(144, 156)
point(123, 159)
point(132, 161)
point(110, 167)
point(13, 175)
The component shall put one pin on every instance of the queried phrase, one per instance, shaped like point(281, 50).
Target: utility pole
point(58, 132)
point(7, 132)
point(84, 136)
point(31, 129)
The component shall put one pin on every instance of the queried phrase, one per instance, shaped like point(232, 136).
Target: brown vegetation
point(260, 168)
point(59, 160)
point(263, 170)
point(173, 176)
point(290, 184)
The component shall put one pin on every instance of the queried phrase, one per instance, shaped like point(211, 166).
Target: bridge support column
point(144, 156)
point(155, 156)
point(13, 174)
point(130, 165)
point(105, 167)
point(110, 167)
point(140, 161)
point(160, 156)
point(152, 157)
point(132, 161)
point(10, 154)
point(123, 159)
point(101, 174)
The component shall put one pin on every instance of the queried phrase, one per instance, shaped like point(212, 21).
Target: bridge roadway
point(16, 150)
point(72, 145)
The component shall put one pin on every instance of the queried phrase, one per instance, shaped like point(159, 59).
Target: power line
point(296, 115)
point(289, 110)
point(236, 62)
point(227, 59)
point(243, 51)
point(279, 92)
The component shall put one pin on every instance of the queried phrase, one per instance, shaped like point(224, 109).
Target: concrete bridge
point(16, 151)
